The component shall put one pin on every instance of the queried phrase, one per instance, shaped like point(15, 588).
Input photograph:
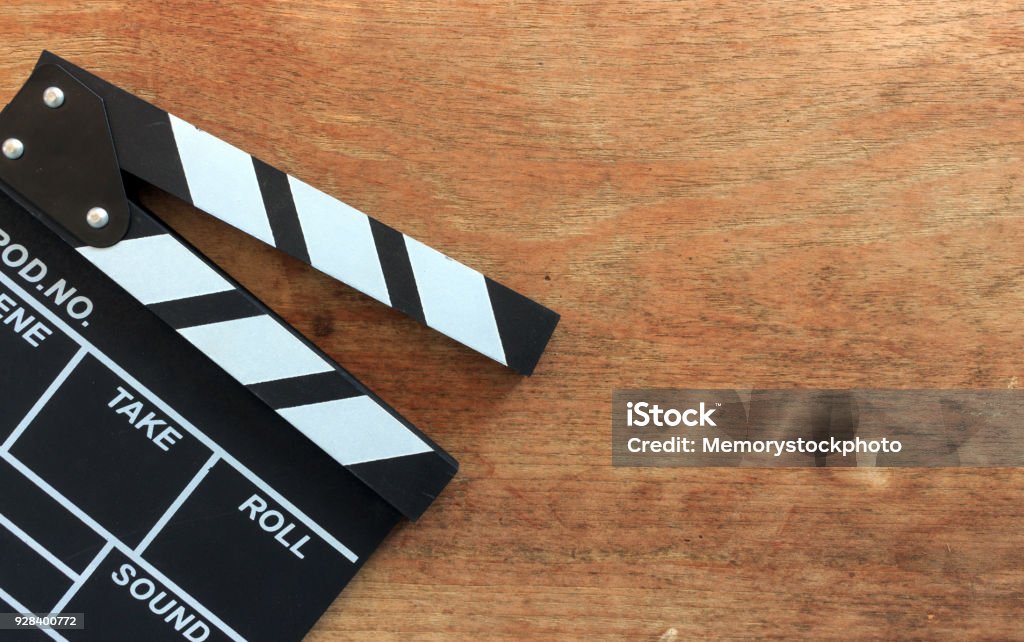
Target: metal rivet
point(97, 217)
point(53, 97)
point(13, 148)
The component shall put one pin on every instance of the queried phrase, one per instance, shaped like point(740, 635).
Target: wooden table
point(770, 194)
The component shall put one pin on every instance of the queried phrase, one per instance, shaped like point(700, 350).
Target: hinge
point(58, 153)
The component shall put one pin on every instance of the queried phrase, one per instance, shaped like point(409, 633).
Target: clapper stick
point(321, 231)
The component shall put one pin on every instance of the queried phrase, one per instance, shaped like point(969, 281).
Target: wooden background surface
point(767, 194)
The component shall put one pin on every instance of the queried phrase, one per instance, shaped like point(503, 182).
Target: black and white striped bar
point(320, 230)
point(277, 364)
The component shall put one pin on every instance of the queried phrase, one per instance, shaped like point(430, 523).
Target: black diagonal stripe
point(411, 482)
point(302, 391)
point(284, 220)
point(394, 262)
point(207, 308)
point(142, 224)
point(525, 326)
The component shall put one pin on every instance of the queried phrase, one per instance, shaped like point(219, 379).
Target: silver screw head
point(97, 217)
point(13, 148)
point(53, 97)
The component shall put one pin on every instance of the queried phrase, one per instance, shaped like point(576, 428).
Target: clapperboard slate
point(177, 462)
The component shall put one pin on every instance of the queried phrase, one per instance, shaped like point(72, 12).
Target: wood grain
point(767, 194)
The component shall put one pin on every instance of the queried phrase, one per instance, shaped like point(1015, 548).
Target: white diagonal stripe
point(156, 268)
point(222, 180)
point(256, 349)
point(355, 430)
point(455, 300)
point(339, 240)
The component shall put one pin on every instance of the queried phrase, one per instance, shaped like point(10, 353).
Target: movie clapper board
point(176, 462)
